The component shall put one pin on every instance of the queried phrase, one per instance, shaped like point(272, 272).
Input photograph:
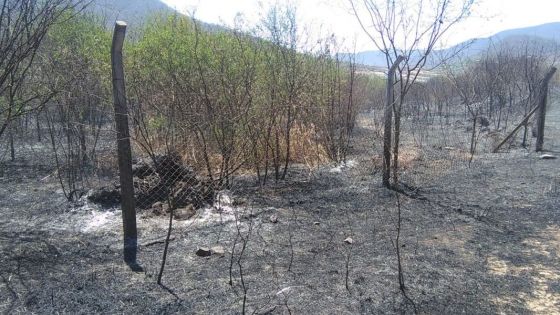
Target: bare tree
point(501, 84)
point(280, 26)
point(412, 30)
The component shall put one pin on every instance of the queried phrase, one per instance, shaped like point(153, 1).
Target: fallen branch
point(511, 134)
point(541, 103)
point(160, 241)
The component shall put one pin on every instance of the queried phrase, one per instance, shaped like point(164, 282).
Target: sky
point(333, 16)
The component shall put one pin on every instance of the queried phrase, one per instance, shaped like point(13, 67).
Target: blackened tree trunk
point(388, 119)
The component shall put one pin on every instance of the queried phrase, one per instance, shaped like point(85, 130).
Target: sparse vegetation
point(272, 171)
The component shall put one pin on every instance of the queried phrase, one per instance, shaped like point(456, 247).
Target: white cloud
point(488, 17)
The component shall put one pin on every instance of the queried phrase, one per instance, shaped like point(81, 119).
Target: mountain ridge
point(136, 12)
point(547, 31)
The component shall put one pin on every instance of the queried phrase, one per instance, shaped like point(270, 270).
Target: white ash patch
point(343, 166)
point(97, 220)
point(224, 198)
point(213, 214)
point(228, 215)
point(223, 210)
point(220, 214)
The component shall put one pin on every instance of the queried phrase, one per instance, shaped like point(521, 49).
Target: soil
point(478, 238)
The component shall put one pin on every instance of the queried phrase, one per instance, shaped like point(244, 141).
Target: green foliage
point(226, 100)
point(81, 37)
point(241, 100)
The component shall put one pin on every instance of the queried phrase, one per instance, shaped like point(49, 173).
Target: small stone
point(273, 218)
point(349, 240)
point(316, 223)
point(217, 250)
point(160, 208)
point(547, 157)
point(224, 198)
point(184, 213)
point(203, 251)
point(239, 201)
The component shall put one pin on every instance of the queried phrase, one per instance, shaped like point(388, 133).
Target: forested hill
point(133, 12)
point(136, 12)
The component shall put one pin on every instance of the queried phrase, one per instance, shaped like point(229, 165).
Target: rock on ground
point(184, 213)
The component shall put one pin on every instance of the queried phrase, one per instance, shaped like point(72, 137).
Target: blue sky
point(332, 16)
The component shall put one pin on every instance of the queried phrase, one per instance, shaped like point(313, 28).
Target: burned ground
point(482, 239)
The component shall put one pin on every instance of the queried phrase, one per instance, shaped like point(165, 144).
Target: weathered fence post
point(388, 125)
point(543, 96)
point(543, 93)
point(130, 233)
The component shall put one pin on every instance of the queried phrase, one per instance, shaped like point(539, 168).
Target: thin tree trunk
point(12, 148)
point(388, 118)
point(288, 142)
point(396, 142)
point(167, 238)
point(473, 138)
point(38, 127)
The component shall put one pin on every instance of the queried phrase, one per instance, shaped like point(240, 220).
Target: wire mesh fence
point(165, 182)
point(80, 154)
point(293, 224)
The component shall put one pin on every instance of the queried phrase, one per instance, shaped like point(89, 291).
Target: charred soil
point(484, 238)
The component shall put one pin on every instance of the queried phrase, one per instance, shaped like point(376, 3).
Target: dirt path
point(485, 241)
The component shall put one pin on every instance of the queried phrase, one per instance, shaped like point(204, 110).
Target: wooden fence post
point(542, 109)
point(543, 92)
point(388, 125)
point(130, 233)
